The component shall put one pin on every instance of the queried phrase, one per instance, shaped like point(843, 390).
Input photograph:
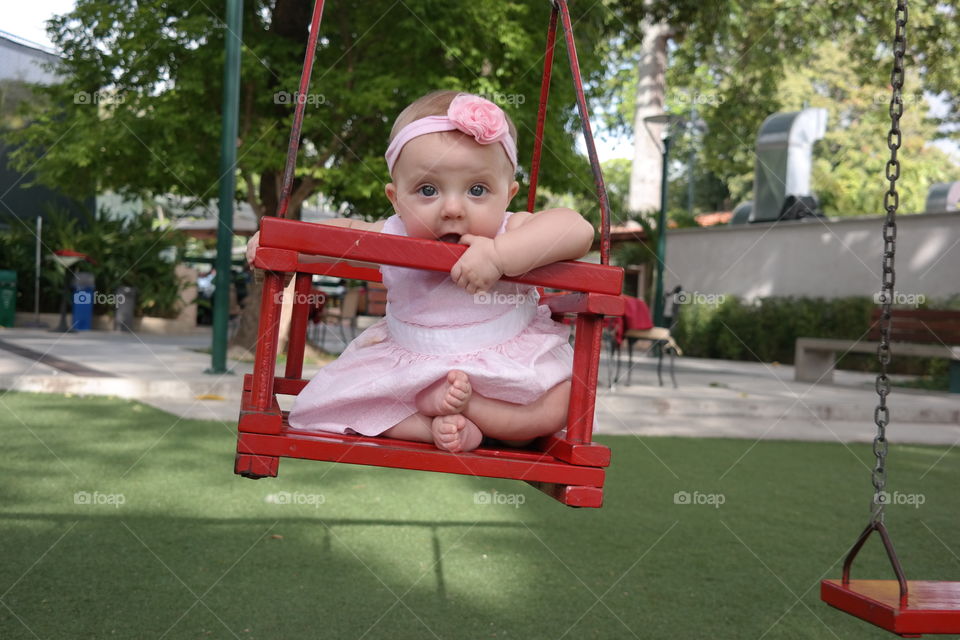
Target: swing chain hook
point(881, 415)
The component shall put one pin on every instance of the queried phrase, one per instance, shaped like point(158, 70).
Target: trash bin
point(126, 304)
point(8, 297)
point(83, 290)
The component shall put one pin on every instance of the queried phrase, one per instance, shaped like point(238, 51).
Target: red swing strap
point(560, 8)
point(266, 352)
point(294, 145)
point(589, 327)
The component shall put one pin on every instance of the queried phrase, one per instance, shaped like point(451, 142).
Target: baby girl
point(463, 355)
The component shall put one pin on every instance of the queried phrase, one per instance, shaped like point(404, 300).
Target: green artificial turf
point(339, 551)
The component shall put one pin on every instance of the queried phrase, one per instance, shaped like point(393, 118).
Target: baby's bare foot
point(455, 433)
point(446, 396)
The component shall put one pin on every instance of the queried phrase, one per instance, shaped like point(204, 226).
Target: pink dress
point(504, 340)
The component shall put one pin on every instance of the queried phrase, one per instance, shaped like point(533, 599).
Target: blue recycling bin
point(82, 307)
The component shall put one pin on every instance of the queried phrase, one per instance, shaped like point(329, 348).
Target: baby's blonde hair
point(435, 103)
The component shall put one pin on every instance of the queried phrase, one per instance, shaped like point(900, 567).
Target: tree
point(849, 162)
point(138, 110)
point(730, 57)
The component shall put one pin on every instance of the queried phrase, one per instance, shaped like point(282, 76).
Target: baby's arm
point(535, 240)
point(530, 241)
point(348, 223)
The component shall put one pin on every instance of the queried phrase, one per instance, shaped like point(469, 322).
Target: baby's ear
point(514, 188)
point(391, 190)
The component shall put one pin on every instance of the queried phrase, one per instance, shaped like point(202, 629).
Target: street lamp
point(228, 168)
point(667, 121)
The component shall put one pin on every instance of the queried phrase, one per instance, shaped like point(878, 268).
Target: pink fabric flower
point(479, 118)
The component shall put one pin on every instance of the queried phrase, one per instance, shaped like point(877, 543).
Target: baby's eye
point(478, 190)
point(427, 190)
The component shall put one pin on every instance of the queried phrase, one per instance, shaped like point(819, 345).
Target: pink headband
point(470, 114)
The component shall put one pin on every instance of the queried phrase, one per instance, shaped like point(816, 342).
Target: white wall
point(21, 62)
point(819, 258)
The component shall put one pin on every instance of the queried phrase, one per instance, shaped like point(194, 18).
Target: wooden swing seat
point(566, 465)
point(932, 607)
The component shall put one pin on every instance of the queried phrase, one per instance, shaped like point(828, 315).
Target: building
point(23, 65)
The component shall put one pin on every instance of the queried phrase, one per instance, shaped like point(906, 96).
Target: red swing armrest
point(592, 303)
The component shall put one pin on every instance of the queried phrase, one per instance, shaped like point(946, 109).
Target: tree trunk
point(245, 339)
point(290, 19)
point(645, 174)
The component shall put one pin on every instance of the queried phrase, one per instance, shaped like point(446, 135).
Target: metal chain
point(881, 415)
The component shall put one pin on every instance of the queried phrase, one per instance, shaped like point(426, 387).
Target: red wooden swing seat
point(567, 465)
point(931, 607)
point(906, 607)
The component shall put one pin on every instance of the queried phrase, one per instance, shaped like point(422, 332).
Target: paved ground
point(714, 397)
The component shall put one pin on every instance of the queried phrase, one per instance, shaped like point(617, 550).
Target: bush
point(767, 330)
point(126, 251)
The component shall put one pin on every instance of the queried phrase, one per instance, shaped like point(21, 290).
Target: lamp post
point(228, 166)
point(667, 121)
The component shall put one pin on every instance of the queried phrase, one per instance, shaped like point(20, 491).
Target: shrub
point(767, 330)
point(131, 251)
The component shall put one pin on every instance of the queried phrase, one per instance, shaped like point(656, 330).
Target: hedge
point(767, 330)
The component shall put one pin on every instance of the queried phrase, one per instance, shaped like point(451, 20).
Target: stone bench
point(918, 333)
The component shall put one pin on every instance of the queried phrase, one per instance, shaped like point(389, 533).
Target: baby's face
point(447, 185)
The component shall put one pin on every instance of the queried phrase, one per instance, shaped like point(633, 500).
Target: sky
point(27, 21)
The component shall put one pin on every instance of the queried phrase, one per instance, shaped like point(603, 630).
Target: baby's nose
point(452, 208)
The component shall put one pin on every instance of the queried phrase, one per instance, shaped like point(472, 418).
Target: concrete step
point(751, 428)
point(788, 405)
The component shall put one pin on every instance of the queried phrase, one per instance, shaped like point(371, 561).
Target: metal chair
point(343, 316)
point(659, 338)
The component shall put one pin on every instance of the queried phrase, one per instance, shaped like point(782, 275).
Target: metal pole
point(661, 236)
point(692, 159)
point(228, 163)
point(36, 279)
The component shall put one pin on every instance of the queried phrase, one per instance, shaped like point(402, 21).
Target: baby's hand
point(479, 267)
point(252, 245)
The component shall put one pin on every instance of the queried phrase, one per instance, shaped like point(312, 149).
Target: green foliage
point(140, 114)
point(735, 61)
point(849, 162)
point(18, 253)
point(126, 252)
point(767, 331)
point(616, 178)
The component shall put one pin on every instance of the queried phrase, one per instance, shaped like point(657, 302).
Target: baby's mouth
point(452, 238)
